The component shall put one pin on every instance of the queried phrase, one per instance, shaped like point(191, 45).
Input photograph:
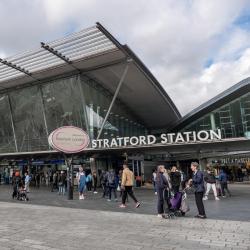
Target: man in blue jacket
point(223, 182)
point(198, 184)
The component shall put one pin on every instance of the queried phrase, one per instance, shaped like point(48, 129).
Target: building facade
point(90, 80)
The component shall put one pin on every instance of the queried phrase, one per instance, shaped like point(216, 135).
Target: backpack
point(111, 178)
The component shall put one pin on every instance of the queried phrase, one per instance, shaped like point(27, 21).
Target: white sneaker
point(108, 200)
point(217, 199)
point(159, 215)
point(95, 192)
point(155, 193)
point(205, 198)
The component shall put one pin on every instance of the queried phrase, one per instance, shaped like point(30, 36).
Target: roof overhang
point(216, 102)
point(96, 53)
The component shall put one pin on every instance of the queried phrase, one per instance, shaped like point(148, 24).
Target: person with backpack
point(89, 182)
point(111, 178)
point(127, 186)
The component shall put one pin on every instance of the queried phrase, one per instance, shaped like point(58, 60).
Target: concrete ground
point(235, 208)
point(32, 227)
point(51, 222)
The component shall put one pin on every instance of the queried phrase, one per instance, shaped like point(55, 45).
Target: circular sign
point(69, 139)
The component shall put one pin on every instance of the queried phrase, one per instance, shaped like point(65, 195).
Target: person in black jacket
point(198, 183)
point(162, 187)
point(210, 180)
point(175, 177)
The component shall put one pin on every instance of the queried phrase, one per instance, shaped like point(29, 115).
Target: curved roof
point(221, 99)
point(94, 52)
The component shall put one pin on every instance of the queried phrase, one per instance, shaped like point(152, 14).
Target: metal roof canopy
point(96, 52)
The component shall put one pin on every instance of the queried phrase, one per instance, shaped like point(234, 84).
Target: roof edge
point(227, 95)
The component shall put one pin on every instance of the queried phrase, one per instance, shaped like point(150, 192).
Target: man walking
point(112, 184)
point(198, 184)
point(210, 180)
point(223, 182)
point(127, 184)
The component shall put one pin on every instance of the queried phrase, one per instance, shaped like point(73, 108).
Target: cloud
point(194, 48)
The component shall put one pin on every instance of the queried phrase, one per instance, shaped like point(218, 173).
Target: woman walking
point(163, 189)
point(81, 183)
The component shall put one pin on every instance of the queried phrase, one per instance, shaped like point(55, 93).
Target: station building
point(90, 80)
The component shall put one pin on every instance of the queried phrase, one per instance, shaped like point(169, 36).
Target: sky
point(195, 48)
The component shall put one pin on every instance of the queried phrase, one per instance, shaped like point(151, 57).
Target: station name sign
point(170, 138)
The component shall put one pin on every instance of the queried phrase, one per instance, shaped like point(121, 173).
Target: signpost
point(69, 140)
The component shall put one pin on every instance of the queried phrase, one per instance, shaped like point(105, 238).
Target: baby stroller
point(178, 205)
point(22, 194)
point(19, 193)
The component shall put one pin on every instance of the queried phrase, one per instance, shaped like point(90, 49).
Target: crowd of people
point(169, 185)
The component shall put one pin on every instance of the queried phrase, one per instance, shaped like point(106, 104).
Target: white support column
point(212, 120)
point(114, 98)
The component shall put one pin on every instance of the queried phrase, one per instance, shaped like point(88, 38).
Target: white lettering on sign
point(170, 138)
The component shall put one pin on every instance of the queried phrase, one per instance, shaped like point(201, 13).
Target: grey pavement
point(30, 227)
point(235, 208)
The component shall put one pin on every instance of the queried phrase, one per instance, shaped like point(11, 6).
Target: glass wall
point(28, 119)
point(29, 114)
point(120, 122)
point(233, 119)
point(7, 143)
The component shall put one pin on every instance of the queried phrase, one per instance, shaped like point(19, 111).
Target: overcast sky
point(196, 49)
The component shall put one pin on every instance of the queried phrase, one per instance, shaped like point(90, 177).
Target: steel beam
point(114, 98)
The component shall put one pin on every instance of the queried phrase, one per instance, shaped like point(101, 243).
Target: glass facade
point(30, 114)
point(232, 118)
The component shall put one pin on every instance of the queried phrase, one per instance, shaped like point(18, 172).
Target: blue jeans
point(61, 189)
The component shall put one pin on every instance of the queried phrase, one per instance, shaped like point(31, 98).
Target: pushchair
point(20, 193)
point(176, 204)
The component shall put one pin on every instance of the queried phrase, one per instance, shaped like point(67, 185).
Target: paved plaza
point(51, 222)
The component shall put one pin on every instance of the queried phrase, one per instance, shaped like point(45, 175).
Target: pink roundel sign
point(69, 139)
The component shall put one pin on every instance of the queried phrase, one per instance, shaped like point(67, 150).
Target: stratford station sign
point(170, 138)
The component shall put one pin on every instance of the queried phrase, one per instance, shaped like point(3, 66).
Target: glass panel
point(28, 120)
point(63, 104)
point(7, 143)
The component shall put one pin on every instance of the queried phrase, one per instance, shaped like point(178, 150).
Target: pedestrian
point(111, 177)
point(127, 186)
point(163, 191)
point(37, 179)
point(16, 182)
point(154, 180)
point(47, 179)
point(223, 182)
point(62, 183)
point(89, 182)
point(95, 182)
point(27, 182)
point(175, 177)
point(54, 181)
point(198, 183)
point(210, 180)
point(81, 183)
point(103, 181)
